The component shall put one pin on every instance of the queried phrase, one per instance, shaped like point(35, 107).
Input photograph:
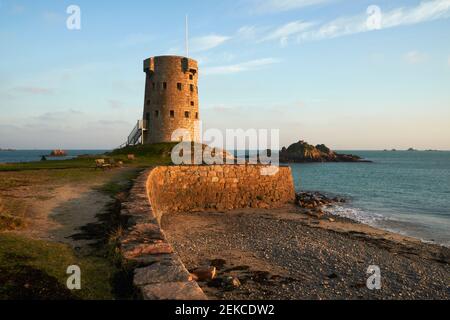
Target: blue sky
point(310, 68)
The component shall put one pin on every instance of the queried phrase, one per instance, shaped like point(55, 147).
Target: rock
point(186, 290)
point(225, 283)
point(218, 263)
point(148, 249)
point(204, 273)
point(58, 153)
point(331, 220)
point(216, 283)
point(315, 201)
point(231, 282)
point(160, 273)
point(332, 276)
point(304, 152)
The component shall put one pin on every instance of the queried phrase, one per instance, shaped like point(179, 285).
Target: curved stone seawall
point(218, 187)
point(159, 273)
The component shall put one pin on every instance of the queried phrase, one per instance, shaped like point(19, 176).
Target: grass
point(10, 222)
point(34, 269)
point(76, 163)
point(146, 155)
point(159, 150)
point(119, 183)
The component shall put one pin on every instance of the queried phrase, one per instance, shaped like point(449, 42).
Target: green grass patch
point(146, 150)
point(120, 182)
point(84, 162)
point(34, 269)
point(47, 178)
point(146, 155)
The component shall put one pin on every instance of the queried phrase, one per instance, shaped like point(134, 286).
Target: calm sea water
point(405, 192)
point(35, 155)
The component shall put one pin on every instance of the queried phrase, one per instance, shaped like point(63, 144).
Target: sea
point(407, 192)
point(35, 155)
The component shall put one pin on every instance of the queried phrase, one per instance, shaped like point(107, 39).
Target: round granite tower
point(171, 98)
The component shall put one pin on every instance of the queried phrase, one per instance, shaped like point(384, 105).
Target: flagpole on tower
point(187, 37)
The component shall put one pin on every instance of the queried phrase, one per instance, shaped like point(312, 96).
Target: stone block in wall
point(161, 273)
point(173, 291)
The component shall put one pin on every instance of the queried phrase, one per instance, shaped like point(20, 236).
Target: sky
point(352, 74)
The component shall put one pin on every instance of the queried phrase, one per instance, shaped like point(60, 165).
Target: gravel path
point(285, 254)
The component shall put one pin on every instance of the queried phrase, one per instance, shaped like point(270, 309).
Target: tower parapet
point(171, 97)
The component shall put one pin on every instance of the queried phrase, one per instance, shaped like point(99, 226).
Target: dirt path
point(74, 212)
point(55, 212)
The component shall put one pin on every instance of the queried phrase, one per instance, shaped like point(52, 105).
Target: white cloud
point(415, 57)
point(241, 67)
point(33, 90)
point(207, 42)
point(304, 31)
point(247, 32)
point(58, 116)
point(425, 11)
point(269, 6)
point(284, 32)
point(53, 17)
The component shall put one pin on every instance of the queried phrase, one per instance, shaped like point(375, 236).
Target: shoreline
point(379, 225)
point(287, 254)
point(316, 204)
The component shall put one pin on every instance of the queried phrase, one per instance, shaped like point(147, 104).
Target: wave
point(355, 214)
point(389, 224)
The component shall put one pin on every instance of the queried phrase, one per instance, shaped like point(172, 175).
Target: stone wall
point(159, 272)
point(218, 187)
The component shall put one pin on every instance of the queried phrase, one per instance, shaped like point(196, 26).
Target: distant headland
point(414, 150)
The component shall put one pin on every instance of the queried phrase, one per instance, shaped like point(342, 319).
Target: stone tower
point(171, 98)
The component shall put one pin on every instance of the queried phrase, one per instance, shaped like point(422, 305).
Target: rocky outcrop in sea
point(304, 152)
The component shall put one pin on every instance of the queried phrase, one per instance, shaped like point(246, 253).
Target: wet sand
point(287, 254)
